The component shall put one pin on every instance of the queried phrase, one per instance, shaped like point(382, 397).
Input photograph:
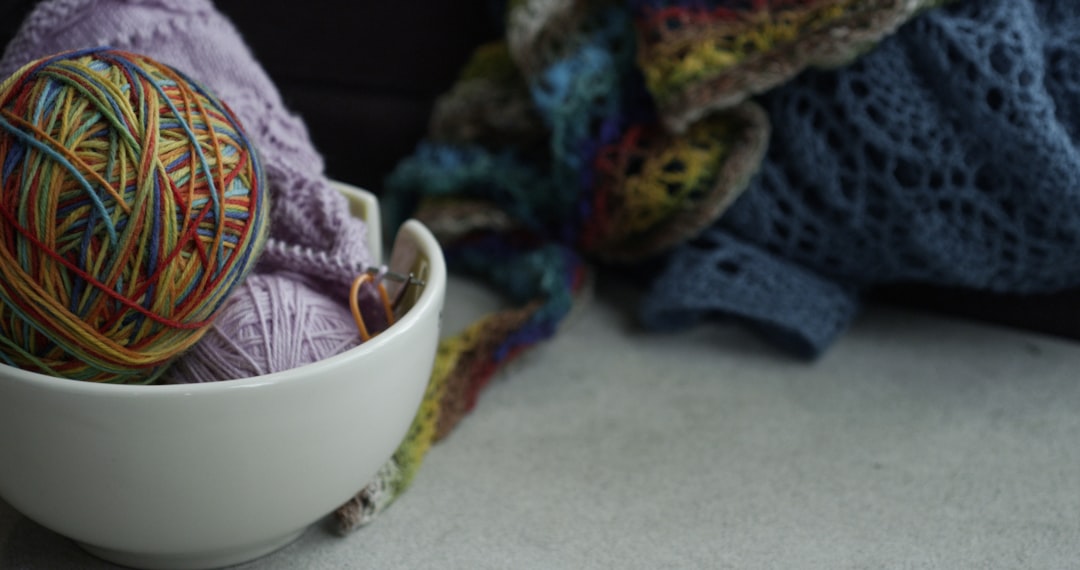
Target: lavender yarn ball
point(272, 322)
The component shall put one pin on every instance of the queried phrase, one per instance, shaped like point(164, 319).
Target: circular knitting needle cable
point(354, 304)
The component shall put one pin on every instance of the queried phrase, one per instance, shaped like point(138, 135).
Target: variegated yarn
point(131, 204)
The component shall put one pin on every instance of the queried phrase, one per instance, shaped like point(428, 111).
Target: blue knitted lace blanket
point(946, 154)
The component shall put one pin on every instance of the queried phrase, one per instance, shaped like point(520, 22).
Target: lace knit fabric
point(948, 155)
point(702, 56)
point(193, 37)
point(569, 143)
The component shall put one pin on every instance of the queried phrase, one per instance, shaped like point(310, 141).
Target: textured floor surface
point(917, 442)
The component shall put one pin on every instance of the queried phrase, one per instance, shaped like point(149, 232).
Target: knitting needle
point(410, 279)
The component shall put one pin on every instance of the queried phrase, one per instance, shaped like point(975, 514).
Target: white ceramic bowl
point(207, 475)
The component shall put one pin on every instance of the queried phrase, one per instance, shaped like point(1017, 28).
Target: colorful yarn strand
point(131, 204)
point(547, 280)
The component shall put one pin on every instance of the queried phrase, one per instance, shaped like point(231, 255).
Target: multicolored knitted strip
point(707, 55)
point(557, 143)
point(544, 279)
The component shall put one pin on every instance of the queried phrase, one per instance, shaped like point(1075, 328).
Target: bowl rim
point(426, 245)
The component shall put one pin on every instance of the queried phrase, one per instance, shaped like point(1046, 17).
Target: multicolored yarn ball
point(131, 205)
point(273, 322)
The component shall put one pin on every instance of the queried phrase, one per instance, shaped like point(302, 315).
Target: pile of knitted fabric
point(763, 160)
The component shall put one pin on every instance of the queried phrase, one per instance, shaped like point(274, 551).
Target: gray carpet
point(917, 442)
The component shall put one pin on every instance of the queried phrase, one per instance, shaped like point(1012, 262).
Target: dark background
point(363, 75)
